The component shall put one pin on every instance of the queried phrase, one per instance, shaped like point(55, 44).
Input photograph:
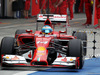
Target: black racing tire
point(81, 59)
point(51, 57)
point(75, 50)
point(52, 54)
point(7, 46)
point(18, 32)
point(82, 36)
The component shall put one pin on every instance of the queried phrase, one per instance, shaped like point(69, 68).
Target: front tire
point(75, 50)
point(7, 46)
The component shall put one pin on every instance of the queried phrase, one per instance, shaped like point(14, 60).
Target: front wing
point(20, 61)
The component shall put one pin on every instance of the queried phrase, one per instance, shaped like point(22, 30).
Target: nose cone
point(40, 56)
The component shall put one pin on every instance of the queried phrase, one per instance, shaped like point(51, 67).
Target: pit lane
point(76, 25)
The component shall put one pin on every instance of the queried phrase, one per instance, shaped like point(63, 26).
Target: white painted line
point(78, 19)
point(11, 26)
point(25, 72)
point(8, 26)
point(87, 58)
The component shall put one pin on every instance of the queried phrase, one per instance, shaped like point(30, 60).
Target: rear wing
point(52, 17)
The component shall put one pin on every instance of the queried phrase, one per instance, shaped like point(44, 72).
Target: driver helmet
point(46, 29)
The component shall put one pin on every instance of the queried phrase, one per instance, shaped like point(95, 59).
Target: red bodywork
point(42, 42)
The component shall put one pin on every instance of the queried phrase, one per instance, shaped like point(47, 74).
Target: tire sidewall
point(7, 46)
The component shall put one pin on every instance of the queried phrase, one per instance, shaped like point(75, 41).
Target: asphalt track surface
point(91, 67)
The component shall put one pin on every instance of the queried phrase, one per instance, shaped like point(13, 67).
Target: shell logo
point(71, 59)
point(41, 49)
point(64, 60)
point(7, 57)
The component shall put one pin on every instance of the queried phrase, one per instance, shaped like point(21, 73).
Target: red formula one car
point(44, 48)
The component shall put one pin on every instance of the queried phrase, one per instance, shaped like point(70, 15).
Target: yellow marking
point(91, 2)
point(39, 53)
point(71, 59)
point(91, 32)
point(41, 49)
point(7, 57)
point(5, 23)
point(76, 22)
point(84, 32)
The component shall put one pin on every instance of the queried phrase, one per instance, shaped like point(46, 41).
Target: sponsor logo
point(7, 57)
point(55, 16)
point(64, 60)
point(15, 58)
point(44, 42)
point(39, 54)
point(40, 16)
point(71, 59)
point(40, 51)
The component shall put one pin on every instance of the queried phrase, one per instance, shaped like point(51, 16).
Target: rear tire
point(19, 32)
point(7, 46)
point(75, 50)
point(82, 36)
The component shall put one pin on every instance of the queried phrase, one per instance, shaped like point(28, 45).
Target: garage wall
point(0, 8)
point(9, 8)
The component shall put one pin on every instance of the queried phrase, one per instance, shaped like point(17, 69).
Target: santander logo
point(29, 55)
point(64, 60)
point(54, 16)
